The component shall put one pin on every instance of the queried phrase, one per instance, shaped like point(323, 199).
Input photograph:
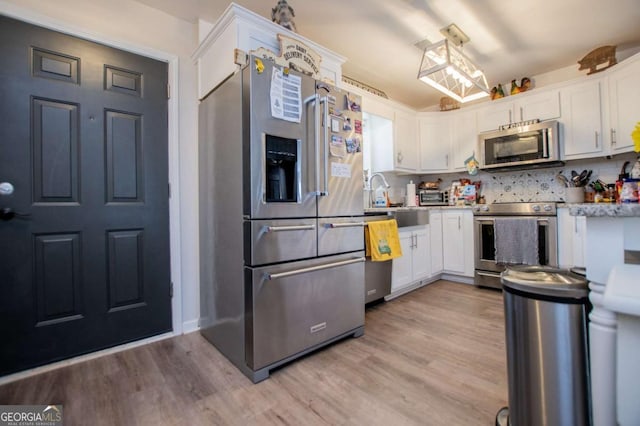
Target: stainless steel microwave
point(531, 145)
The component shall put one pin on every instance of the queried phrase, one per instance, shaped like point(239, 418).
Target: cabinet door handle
point(446, 157)
point(613, 136)
point(521, 114)
point(596, 139)
point(458, 222)
point(510, 118)
point(399, 157)
point(575, 226)
point(416, 237)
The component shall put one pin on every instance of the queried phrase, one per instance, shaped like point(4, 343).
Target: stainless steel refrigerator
point(281, 243)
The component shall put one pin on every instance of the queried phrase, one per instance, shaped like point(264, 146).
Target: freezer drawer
point(299, 305)
point(340, 235)
point(272, 241)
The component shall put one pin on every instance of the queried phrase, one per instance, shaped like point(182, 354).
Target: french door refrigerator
point(281, 243)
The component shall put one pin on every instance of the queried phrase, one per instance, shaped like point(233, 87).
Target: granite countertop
point(604, 209)
point(395, 209)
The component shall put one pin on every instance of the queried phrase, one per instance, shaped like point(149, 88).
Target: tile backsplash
point(540, 184)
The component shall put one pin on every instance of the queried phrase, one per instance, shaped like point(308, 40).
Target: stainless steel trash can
point(547, 347)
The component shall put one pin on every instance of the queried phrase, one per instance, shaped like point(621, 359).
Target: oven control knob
point(547, 208)
point(485, 208)
point(536, 208)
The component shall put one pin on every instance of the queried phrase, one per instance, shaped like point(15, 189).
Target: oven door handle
point(313, 268)
point(540, 220)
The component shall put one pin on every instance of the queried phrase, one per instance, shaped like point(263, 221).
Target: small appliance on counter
point(433, 197)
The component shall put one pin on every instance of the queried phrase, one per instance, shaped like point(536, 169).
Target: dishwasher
point(377, 275)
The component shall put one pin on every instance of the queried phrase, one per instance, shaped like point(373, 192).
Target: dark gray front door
point(84, 236)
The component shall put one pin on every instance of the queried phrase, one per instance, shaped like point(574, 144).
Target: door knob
point(6, 188)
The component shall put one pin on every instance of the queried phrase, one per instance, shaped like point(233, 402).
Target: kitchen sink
point(412, 217)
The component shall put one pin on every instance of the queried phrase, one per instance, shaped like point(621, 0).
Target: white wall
point(132, 26)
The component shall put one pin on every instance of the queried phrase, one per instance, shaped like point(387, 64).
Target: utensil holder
point(575, 195)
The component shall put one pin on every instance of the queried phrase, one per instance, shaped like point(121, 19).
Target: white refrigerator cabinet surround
point(414, 263)
point(239, 28)
point(582, 120)
point(543, 105)
point(624, 103)
point(457, 242)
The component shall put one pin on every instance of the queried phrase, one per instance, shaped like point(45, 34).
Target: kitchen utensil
point(578, 178)
point(623, 170)
point(583, 178)
point(560, 178)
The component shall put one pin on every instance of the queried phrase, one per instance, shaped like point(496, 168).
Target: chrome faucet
point(381, 176)
point(369, 189)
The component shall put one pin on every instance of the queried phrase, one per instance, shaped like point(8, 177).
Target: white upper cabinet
point(464, 138)
point(435, 142)
point(582, 120)
point(543, 105)
point(377, 137)
point(390, 135)
point(406, 142)
point(624, 103)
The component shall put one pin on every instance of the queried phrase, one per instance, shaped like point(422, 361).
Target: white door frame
point(13, 11)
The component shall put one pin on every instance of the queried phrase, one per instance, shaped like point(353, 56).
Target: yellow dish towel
point(382, 241)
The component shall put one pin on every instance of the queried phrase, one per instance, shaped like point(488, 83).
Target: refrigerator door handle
point(316, 137)
point(288, 228)
point(324, 101)
point(344, 225)
point(279, 275)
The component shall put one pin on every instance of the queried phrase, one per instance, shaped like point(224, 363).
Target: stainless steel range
point(487, 268)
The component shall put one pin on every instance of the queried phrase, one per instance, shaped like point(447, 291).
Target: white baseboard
point(457, 278)
point(190, 326)
point(82, 358)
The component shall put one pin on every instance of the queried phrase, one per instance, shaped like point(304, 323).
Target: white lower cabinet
point(571, 239)
point(457, 242)
point(414, 263)
point(435, 234)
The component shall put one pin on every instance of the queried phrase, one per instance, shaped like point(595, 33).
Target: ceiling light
point(446, 68)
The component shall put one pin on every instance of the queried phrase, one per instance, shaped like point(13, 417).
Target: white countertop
point(604, 209)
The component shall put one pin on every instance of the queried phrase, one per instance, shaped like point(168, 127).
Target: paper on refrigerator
point(286, 97)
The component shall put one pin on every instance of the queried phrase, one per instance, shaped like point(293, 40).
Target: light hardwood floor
point(435, 356)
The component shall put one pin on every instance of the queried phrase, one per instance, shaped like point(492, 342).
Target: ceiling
point(509, 39)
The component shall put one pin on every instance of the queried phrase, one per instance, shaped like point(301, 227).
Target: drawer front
point(294, 310)
point(340, 235)
point(274, 241)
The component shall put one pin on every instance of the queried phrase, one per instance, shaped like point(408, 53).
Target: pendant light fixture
point(445, 68)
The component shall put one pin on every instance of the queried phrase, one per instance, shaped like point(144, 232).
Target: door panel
point(301, 200)
point(86, 260)
point(318, 306)
point(280, 240)
point(340, 153)
point(340, 235)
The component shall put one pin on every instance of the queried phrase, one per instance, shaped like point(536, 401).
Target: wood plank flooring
point(435, 356)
